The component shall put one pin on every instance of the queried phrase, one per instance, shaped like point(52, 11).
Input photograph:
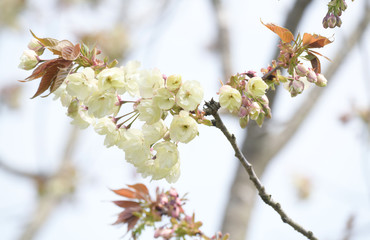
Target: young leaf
point(61, 76)
point(316, 65)
point(284, 34)
point(139, 187)
point(314, 41)
point(47, 42)
point(71, 52)
point(124, 192)
point(125, 204)
point(46, 80)
point(40, 70)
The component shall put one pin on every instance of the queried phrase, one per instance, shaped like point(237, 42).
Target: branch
point(212, 109)
point(57, 187)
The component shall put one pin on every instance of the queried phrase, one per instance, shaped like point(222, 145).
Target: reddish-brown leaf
point(40, 70)
point(131, 222)
point(124, 216)
point(47, 42)
point(46, 80)
point(61, 76)
point(124, 192)
point(141, 188)
point(316, 65)
point(314, 41)
point(284, 34)
point(125, 204)
point(71, 52)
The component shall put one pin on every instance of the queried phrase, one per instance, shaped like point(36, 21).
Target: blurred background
point(313, 156)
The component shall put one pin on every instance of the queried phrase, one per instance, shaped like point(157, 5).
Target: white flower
point(190, 95)
point(105, 126)
point(101, 104)
point(173, 82)
point(164, 99)
point(82, 84)
point(321, 80)
point(28, 59)
point(137, 151)
point(79, 114)
point(154, 132)
point(230, 98)
point(149, 81)
point(174, 173)
point(63, 95)
point(112, 78)
point(183, 128)
point(167, 154)
point(149, 112)
point(132, 75)
point(257, 87)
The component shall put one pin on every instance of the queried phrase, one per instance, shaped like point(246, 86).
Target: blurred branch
point(212, 108)
point(223, 39)
point(19, 173)
point(56, 188)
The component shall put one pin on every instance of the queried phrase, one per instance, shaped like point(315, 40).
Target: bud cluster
point(141, 211)
point(98, 95)
point(245, 94)
point(335, 9)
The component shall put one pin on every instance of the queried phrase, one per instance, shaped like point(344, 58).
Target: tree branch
point(212, 109)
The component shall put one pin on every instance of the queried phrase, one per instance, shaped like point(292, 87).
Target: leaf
point(47, 42)
point(61, 76)
point(71, 52)
point(124, 192)
point(39, 71)
point(140, 188)
point(314, 41)
point(46, 80)
point(319, 55)
point(131, 222)
point(315, 62)
point(125, 204)
point(284, 34)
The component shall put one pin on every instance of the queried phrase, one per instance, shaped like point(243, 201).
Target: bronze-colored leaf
point(61, 76)
point(47, 42)
point(131, 222)
point(40, 70)
point(316, 65)
point(139, 187)
point(284, 34)
point(71, 52)
point(46, 80)
point(319, 55)
point(314, 41)
point(124, 192)
point(125, 204)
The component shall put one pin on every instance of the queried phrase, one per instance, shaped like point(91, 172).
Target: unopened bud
point(254, 110)
point(321, 80)
point(243, 111)
point(296, 87)
point(301, 70)
point(311, 76)
point(332, 21)
point(29, 60)
point(339, 22)
point(325, 21)
point(36, 46)
point(243, 122)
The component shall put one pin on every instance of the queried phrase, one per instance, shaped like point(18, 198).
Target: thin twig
point(212, 108)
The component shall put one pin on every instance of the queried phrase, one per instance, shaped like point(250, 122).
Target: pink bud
point(311, 76)
point(296, 87)
point(243, 111)
point(166, 233)
point(332, 21)
point(301, 70)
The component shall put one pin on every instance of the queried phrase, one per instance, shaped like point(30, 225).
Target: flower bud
point(321, 80)
point(173, 82)
point(254, 110)
point(243, 111)
point(296, 87)
point(332, 21)
point(243, 122)
point(311, 76)
point(29, 60)
point(325, 21)
point(339, 22)
point(36, 46)
point(301, 70)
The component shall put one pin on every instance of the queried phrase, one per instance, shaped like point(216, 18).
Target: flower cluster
point(245, 94)
point(335, 9)
point(112, 98)
point(142, 211)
